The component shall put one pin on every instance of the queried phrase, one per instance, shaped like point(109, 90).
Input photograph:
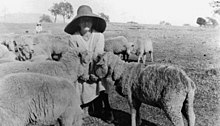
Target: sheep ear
point(99, 56)
point(101, 62)
point(82, 54)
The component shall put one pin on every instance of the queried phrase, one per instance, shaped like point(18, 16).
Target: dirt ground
point(194, 49)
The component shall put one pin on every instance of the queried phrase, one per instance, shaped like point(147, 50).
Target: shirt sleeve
point(99, 47)
point(73, 42)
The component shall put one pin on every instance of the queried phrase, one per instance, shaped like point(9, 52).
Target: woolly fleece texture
point(74, 63)
point(48, 44)
point(118, 45)
point(163, 86)
point(37, 99)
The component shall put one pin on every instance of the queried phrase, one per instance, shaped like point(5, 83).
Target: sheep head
point(105, 64)
point(83, 55)
point(130, 47)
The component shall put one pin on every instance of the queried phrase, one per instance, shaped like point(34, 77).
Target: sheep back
point(69, 67)
point(152, 83)
point(47, 43)
point(117, 44)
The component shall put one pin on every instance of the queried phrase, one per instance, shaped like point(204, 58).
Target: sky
point(177, 12)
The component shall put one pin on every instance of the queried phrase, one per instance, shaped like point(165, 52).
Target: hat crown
point(84, 10)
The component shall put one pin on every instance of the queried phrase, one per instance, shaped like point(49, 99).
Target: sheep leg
point(132, 109)
point(188, 111)
point(172, 105)
point(140, 57)
point(137, 105)
point(151, 55)
point(144, 58)
point(69, 118)
point(126, 57)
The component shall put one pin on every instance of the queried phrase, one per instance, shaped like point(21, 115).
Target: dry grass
point(196, 50)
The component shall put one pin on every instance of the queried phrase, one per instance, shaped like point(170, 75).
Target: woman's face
point(85, 24)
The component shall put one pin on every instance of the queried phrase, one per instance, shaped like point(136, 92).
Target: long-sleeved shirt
point(94, 45)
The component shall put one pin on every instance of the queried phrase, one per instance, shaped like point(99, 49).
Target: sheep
point(37, 99)
point(163, 86)
point(73, 65)
point(7, 40)
point(118, 45)
point(142, 46)
point(48, 44)
point(19, 45)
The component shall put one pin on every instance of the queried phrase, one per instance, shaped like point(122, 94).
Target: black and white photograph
point(110, 63)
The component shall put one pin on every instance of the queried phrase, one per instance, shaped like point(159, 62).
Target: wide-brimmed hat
point(99, 23)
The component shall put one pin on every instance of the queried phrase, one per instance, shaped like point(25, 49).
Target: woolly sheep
point(142, 46)
point(19, 45)
point(73, 65)
point(49, 44)
point(163, 86)
point(37, 99)
point(118, 45)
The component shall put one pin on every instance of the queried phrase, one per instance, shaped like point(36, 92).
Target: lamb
point(163, 86)
point(73, 65)
point(118, 45)
point(142, 46)
point(37, 99)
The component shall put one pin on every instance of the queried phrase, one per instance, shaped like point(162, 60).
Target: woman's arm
point(99, 45)
point(73, 42)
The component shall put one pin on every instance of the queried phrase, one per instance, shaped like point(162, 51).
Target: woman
point(86, 30)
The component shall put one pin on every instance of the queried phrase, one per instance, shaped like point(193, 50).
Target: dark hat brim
point(99, 24)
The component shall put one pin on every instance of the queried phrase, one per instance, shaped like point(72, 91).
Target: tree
point(105, 17)
point(55, 11)
point(201, 21)
point(45, 18)
point(217, 11)
point(164, 23)
point(216, 5)
point(212, 21)
point(186, 24)
point(66, 10)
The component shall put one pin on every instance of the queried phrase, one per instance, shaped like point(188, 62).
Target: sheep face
point(104, 65)
point(85, 57)
point(101, 68)
point(130, 47)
